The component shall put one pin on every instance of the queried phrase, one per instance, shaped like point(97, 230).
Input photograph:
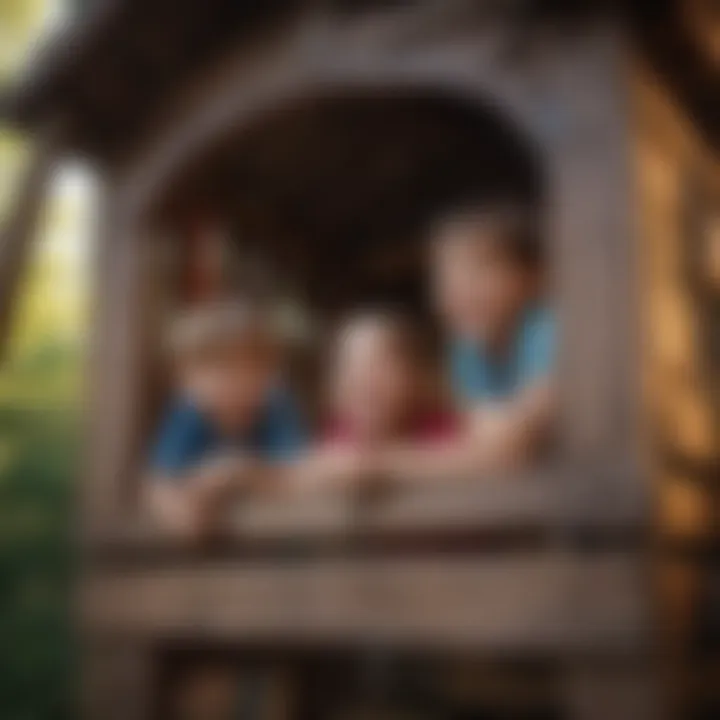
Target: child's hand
point(212, 483)
point(182, 512)
point(193, 510)
point(333, 468)
point(207, 494)
point(375, 480)
point(351, 467)
point(224, 478)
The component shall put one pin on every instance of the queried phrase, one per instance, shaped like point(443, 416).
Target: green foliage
point(38, 458)
point(39, 408)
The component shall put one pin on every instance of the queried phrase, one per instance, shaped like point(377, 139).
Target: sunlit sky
point(73, 190)
point(58, 278)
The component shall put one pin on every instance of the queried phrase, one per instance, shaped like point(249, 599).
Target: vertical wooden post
point(598, 292)
point(596, 269)
point(117, 680)
point(617, 691)
point(121, 348)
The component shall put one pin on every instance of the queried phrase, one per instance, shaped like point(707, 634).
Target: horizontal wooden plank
point(547, 501)
point(548, 498)
point(533, 602)
point(496, 503)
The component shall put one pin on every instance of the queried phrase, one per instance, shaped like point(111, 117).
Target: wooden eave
point(111, 70)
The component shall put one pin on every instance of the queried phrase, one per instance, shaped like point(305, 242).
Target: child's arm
point(510, 434)
point(319, 470)
point(497, 438)
point(191, 505)
point(173, 508)
point(185, 488)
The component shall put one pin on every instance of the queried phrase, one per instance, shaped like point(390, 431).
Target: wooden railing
point(550, 501)
point(552, 595)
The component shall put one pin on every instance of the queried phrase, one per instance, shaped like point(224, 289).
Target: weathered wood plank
point(595, 257)
point(621, 691)
point(118, 680)
point(545, 503)
point(124, 342)
point(534, 602)
point(547, 500)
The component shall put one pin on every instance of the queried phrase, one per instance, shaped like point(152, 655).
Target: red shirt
point(431, 427)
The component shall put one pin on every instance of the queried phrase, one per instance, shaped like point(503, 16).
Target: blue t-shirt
point(476, 375)
point(187, 437)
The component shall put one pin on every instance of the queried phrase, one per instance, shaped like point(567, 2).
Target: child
point(230, 408)
point(487, 286)
point(384, 391)
point(384, 384)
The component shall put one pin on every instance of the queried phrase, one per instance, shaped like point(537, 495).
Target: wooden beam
point(118, 680)
point(621, 691)
point(55, 64)
point(547, 500)
point(539, 602)
point(552, 502)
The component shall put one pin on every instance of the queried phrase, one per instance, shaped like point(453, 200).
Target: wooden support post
point(118, 681)
point(618, 690)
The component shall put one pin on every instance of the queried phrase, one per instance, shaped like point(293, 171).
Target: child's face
point(478, 289)
point(375, 386)
point(230, 384)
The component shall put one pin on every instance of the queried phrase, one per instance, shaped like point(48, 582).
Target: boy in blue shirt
point(487, 279)
point(230, 412)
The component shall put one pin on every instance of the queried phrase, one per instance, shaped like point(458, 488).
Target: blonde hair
point(216, 326)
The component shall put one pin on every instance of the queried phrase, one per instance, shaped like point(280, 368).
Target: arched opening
point(336, 189)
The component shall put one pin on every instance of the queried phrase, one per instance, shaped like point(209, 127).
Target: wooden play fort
point(320, 138)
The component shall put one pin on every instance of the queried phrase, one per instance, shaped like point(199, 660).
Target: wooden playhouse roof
point(111, 66)
point(110, 69)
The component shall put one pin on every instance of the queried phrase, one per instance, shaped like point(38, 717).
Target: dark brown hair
point(513, 227)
